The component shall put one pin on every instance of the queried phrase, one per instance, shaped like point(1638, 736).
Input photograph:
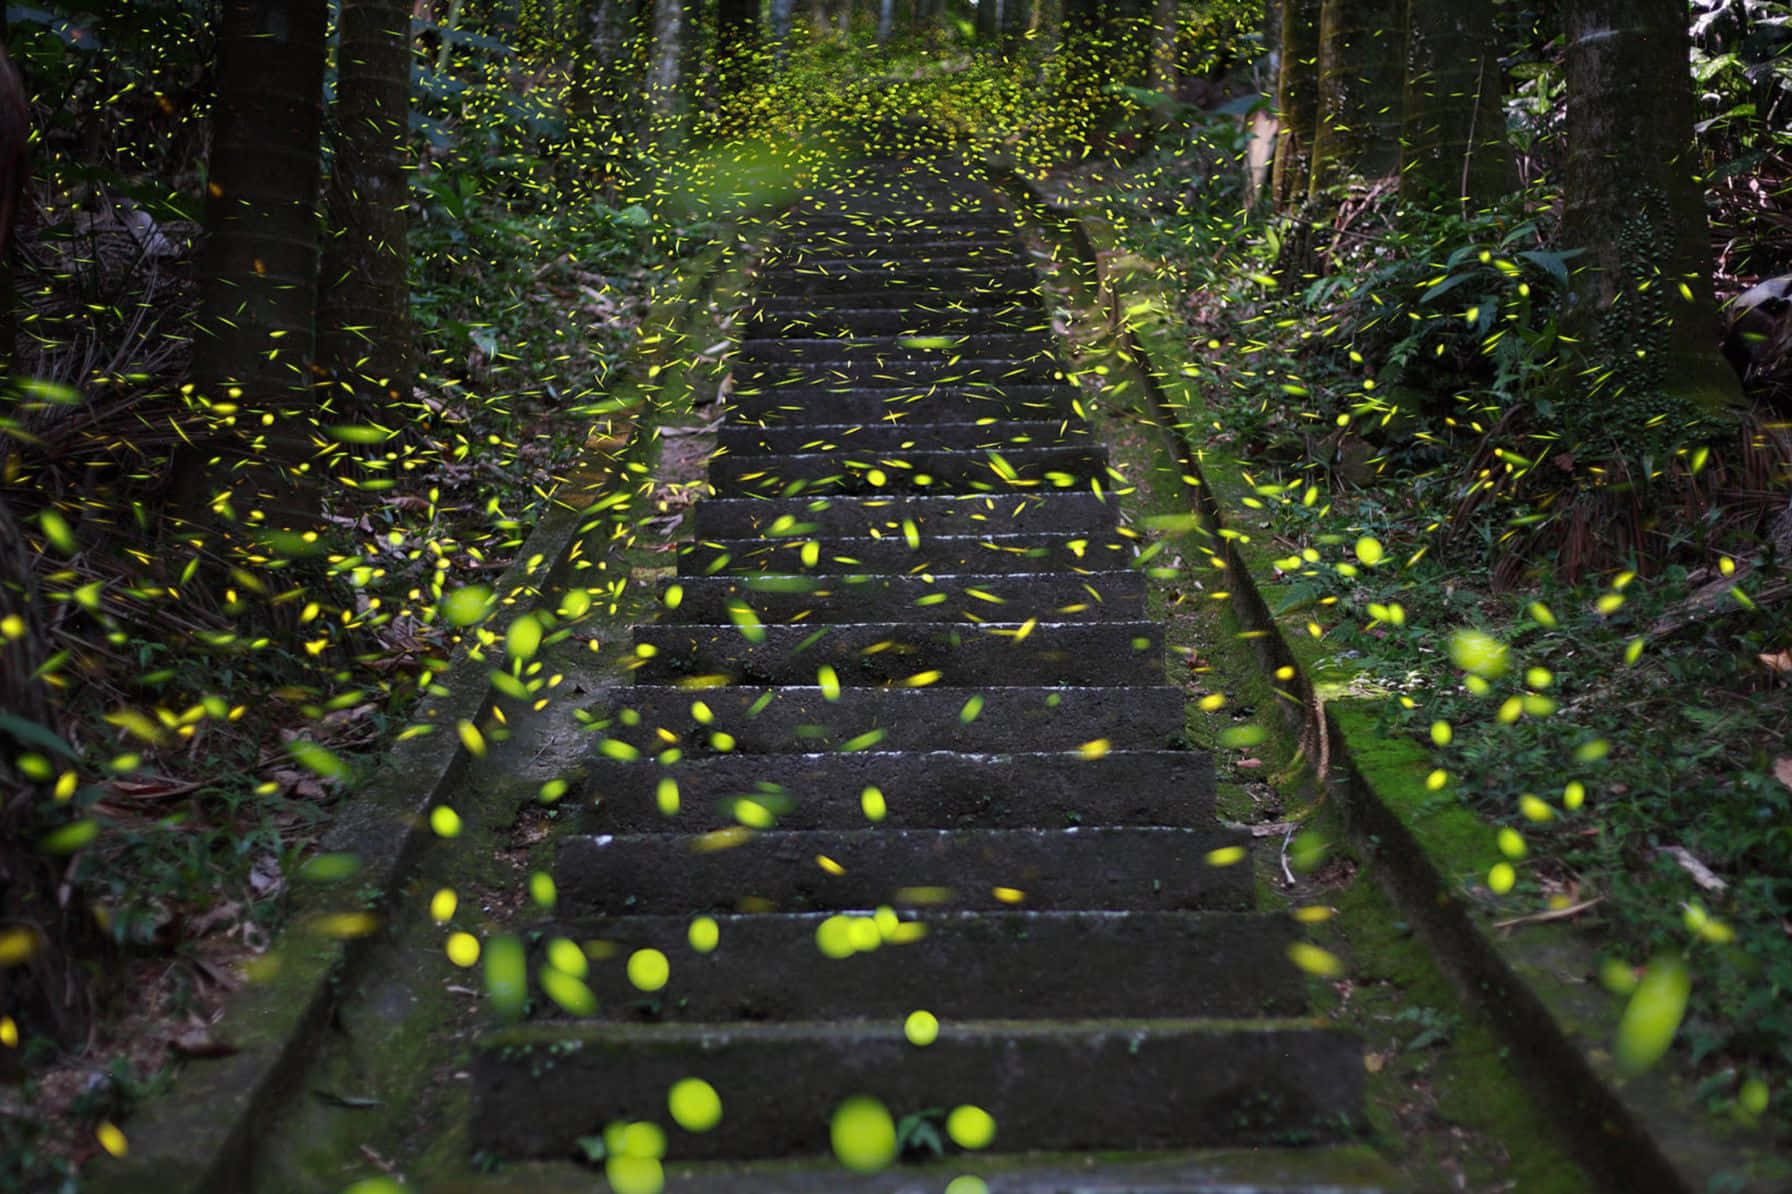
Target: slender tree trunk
point(1452, 122)
point(665, 70)
point(1161, 72)
point(258, 265)
point(886, 21)
point(781, 17)
point(15, 156)
point(1297, 101)
point(989, 22)
point(1357, 125)
point(363, 316)
point(1643, 302)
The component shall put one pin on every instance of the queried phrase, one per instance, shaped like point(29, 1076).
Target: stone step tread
point(795, 406)
point(731, 518)
point(741, 437)
point(811, 322)
point(905, 266)
point(1040, 370)
point(966, 966)
point(1139, 1084)
point(1093, 654)
point(918, 790)
point(1029, 303)
point(870, 474)
point(919, 347)
point(1008, 597)
point(799, 719)
point(877, 258)
point(1147, 868)
point(898, 719)
point(1322, 1169)
point(1076, 551)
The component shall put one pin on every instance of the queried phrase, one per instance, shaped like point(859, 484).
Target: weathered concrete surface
point(925, 598)
point(799, 319)
point(958, 399)
point(1002, 435)
point(1102, 867)
point(1140, 1085)
point(1353, 1169)
point(747, 518)
point(779, 720)
point(1091, 654)
point(944, 370)
point(938, 790)
point(980, 966)
point(944, 555)
point(869, 471)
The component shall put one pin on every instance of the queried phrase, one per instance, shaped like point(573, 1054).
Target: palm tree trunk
point(1297, 101)
point(1357, 124)
point(363, 315)
point(1643, 304)
point(258, 265)
point(1452, 124)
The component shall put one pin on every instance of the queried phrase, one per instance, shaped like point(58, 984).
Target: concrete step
point(1003, 597)
point(1139, 1085)
point(1029, 302)
point(853, 402)
point(1314, 1169)
point(1082, 654)
point(802, 720)
point(925, 790)
point(937, 254)
point(1040, 370)
point(746, 518)
point(859, 471)
point(1003, 435)
point(1075, 869)
point(999, 272)
point(864, 225)
point(804, 320)
point(967, 966)
point(939, 554)
point(1002, 345)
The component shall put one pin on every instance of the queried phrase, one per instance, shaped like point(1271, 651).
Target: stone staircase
point(902, 732)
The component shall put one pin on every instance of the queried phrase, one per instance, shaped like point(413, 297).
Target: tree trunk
point(363, 315)
point(1452, 123)
point(15, 156)
point(886, 21)
point(781, 17)
point(1161, 73)
point(1297, 101)
point(665, 74)
point(1017, 18)
point(1643, 305)
point(989, 22)
point(258, 265)
point(1357, 124)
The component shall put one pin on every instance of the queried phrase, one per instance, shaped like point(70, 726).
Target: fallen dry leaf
point(1782, 770)
point(201, 1041)
point(1778, 661)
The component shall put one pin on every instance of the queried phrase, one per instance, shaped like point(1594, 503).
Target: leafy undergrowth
point(1580, 610)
